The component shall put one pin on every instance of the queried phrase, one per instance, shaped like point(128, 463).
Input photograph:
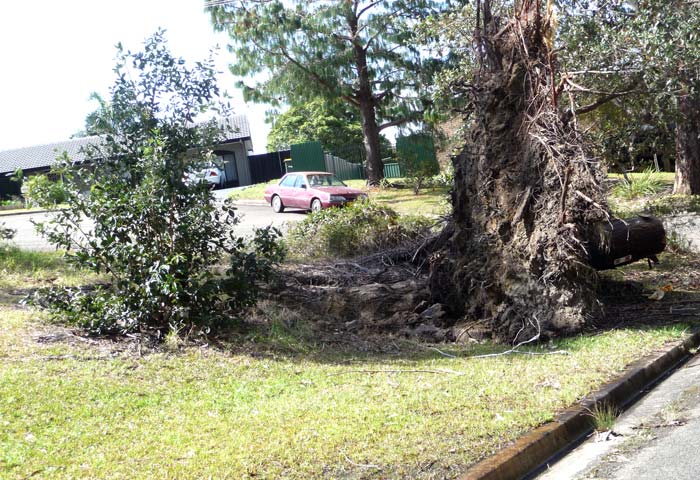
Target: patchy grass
point(649, 194)
point(645, 183)
point(23, 269)
point(274, 401)
point(430, 201)
point(681, 270)
point(252, 192)
point(80, 408)
point(604, 416)
point(14, 210)
point(666, 178)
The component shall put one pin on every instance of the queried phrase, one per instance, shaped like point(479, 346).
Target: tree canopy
point(644, 58)
point(334, 124)
point(366, 53)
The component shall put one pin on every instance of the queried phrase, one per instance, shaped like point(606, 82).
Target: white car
point(212, 174)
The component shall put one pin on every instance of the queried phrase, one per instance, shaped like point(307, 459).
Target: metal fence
point(343, 169)
point(392, 170)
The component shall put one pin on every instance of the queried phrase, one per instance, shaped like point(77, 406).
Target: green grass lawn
point(657, 201)
point(273, 402)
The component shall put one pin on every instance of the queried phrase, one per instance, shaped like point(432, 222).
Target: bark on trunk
point(526, 191)
point(368, 108)
point(687, 180)
point(370, 131)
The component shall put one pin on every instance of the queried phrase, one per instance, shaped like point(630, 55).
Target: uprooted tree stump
point(527, 191)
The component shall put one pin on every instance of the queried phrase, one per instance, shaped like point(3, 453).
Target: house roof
point(235, 128)
point(39, 156)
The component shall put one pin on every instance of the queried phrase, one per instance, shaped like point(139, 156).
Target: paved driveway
point(253, 215)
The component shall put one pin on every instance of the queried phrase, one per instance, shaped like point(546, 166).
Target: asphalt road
point(657, 439)
point(253, 215)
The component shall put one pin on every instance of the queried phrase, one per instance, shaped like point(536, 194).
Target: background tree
point(332, 123)
point(94, 119)
point(363, 52)
point(156, 238)
point(527, 190)
point(643, 56)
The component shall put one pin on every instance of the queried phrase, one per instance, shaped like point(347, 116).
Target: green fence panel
point(392, 170)
point(343, 169)
point(417, 154)
point(307, 157)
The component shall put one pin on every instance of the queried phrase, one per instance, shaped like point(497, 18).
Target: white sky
point(54, 53)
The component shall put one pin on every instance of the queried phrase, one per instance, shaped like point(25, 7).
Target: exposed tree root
point(526, 192)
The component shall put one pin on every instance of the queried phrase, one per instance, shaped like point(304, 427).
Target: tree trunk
point(368, 113)
point(687, 179)
point(370, 131)
point(626, 241)
point(526, 191)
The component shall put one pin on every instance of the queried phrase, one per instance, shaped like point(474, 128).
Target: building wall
point(241, 155)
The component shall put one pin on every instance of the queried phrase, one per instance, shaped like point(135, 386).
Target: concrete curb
point(531, 452)
point(250, 202)
point(12, 213)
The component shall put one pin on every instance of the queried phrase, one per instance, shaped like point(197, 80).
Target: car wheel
point(316, 205)
point(277, 204)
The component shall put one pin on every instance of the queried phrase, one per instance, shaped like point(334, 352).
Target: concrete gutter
point(532, 452)
point(12, 213)
point(250, 202)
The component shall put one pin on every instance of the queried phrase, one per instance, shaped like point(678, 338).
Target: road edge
point(531, 452)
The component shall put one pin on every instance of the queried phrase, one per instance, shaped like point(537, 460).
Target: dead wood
point(619, 242)
point(527, 191)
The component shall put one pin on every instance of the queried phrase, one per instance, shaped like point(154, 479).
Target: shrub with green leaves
point(360, 228)
point(647, 183)
point(156, 237)
point(42, 190)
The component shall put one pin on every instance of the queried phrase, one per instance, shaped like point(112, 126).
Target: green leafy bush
point(13, 203)
point(157, 239)
point(43, 191)
point(647, 183)
point(360, 228)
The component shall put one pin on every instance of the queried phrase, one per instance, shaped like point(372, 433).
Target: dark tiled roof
point(41, 156)
point(235, 127)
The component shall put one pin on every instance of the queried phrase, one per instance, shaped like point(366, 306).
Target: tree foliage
point(366, 53)
point(332, 123)
point(131, 217)
point(644, 58)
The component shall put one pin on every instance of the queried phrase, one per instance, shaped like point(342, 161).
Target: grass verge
point(275, 402)
point(75, 410)
point(24, 269)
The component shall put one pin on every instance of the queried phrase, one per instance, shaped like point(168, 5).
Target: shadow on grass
point(277, 332)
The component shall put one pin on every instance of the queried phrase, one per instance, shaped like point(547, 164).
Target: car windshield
point(320, 180)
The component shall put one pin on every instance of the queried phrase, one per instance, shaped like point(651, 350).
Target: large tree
point(364, 52)
point(333, 124)
point(644, 56)
point(527, 191)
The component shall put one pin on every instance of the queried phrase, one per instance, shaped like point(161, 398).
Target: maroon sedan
point(310, 191)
